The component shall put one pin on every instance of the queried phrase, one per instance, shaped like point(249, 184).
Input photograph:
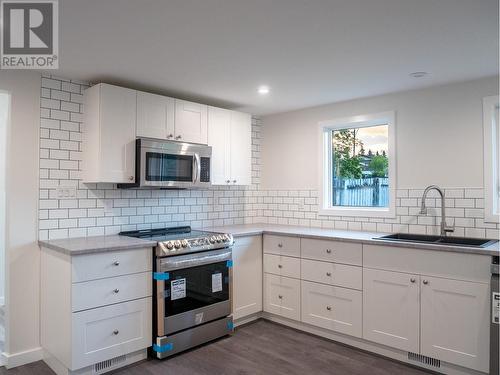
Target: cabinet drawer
point(281, 265)
point(111, 331)
point(337, 309)
point(332, 273)
point(114, 263)
point(332, 251)
point(102, 292)
point(282, 296)
point(282, 245)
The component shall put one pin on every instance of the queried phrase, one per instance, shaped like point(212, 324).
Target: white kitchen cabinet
point(109, 134)
point(282, 245)
point(332, 308)
point(391, 309)
point(247, 276)
point(155, 116)
point(282, 265)
point(455, 322)
point(282, 296)
point(230, 135)
point(191, 122)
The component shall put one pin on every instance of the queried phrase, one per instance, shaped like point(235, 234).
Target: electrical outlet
point(64, 192)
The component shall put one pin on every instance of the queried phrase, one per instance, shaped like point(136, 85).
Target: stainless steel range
point(192, 288)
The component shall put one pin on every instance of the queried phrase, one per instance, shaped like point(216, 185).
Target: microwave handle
point(197, 168)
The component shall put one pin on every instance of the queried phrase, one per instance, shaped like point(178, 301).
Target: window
point(491, 159)
point(358, 166)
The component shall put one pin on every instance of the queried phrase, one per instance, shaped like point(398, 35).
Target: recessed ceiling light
point(418, 74)
point(263, 90)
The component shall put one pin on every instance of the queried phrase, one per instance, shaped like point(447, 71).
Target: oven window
point(196, 287)
point(168, 167)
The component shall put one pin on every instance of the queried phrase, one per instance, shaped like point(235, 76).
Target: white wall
point(22, 252)
point(4, 115)
point(438, 137)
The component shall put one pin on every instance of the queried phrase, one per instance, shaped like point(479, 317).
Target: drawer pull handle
point(280, 296)
point(280, 266)
point(116, 291)
point(329, 308)
point(412, 280)
point(328, 251)
point(280, 245)
point(425, 282)
point(115, 332)
point(116, 263)
point(328, 274)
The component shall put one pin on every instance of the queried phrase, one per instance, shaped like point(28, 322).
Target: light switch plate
point(64, 192)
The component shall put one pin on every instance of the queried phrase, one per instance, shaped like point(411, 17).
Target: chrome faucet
point(423, 210)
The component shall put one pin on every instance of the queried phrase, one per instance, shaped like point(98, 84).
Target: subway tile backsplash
point(101, 209)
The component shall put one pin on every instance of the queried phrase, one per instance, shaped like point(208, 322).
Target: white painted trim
point(22, 358)
point(491, 206)
point(325, 188)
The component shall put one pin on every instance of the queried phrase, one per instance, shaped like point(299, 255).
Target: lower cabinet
point(391, 311)
point(455, 322)
point(282, 296)
point(333, 308)
point(247, 276)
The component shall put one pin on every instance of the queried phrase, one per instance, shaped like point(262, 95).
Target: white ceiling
point(310, 52)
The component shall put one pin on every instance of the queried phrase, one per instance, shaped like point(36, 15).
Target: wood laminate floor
point(261, 347)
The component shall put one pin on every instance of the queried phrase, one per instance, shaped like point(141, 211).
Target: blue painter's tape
point(229, 263)
point(161, 275)
point(163, 348)
point(230, 326)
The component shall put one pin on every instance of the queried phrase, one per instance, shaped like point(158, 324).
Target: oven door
point(196, 290)
point(173, 164)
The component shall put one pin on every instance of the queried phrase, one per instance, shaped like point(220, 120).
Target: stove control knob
point(219, 238)
point(227, 238)
point(177, 244)
point(170, 245)
point(184, 243)
point(213, 239)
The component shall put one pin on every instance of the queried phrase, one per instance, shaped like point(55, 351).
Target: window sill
point(358, 212)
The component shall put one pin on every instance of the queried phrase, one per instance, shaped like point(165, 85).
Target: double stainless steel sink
point(438, 240)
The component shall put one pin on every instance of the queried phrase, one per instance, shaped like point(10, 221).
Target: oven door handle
point(193, 260)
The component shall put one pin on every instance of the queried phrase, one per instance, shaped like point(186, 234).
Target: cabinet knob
point(280, 296)
point(328, 251)
point(329, 308)
point(280, 245)
point(178, 137)
point(425, 282)
point(116, 263)
point(116, 291)
point(328, 274)
point(131, 178)
point(280, 266)
point(412, 280)
point(115, 332)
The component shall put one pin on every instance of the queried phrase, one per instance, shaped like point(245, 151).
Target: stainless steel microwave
point(169, 164)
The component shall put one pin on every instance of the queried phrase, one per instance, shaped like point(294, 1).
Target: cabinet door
point(219, 123)
point(337, 309)
point(272, 300)
point(155, 116)
point(290, 298)
point(247, 276)
point(191, 122)
point(391, 309)
point(117, 110)
point(455, 322)
point(241, 148)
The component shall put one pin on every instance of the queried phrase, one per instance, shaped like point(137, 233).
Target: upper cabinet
point(229, 134)
point(190, 122)
point(155, 116)
point(109, 134)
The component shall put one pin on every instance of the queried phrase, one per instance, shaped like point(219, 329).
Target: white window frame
point(491, 204)
point(325, 163)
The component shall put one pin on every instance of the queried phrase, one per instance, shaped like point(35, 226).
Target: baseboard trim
point(11, 360)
